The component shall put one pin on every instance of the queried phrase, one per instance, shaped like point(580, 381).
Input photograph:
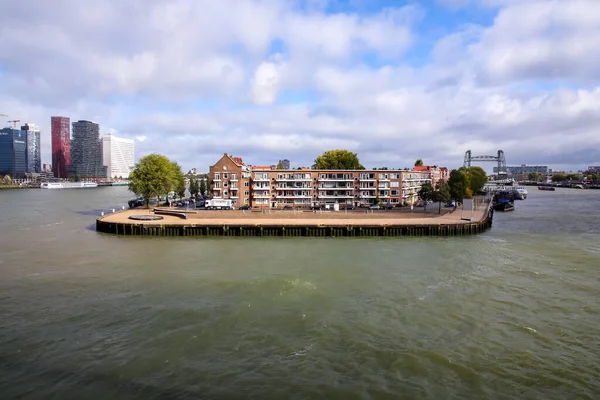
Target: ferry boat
point(68, 185)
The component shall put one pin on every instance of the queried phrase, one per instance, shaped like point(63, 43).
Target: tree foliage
point(202, 185)
point(477, 178)
point(419, 163)
point(337, 159)
point(194, 186)
point(535, 176)
point(177, 180)
point(426, 193)
point(280, 165)
point(559, 177)
point(457, 183)
point(155, 175)
point(442, 194)
point(7, 180)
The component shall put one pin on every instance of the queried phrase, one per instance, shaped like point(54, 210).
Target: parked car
point(388, 207)
point(375, 207)
point(288, 207)
point(245, 207)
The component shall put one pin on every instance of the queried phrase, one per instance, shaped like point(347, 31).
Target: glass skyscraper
point(86, 151)
point(33, 155)
point(61, 145)
point(13, 149)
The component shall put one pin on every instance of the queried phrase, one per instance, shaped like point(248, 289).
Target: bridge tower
point(500, 159)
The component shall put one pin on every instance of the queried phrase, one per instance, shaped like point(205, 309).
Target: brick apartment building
point(263, 186)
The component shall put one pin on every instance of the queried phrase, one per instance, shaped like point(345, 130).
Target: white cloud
point(265, 84)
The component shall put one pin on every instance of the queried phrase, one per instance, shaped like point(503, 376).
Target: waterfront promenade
point(298, 223)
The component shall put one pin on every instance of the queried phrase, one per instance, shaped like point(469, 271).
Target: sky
point(266, 80)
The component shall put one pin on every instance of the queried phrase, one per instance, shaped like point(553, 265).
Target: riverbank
point(291, 223)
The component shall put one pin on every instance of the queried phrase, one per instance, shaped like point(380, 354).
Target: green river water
point(513, 313)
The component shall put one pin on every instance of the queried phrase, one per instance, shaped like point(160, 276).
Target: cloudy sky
point(265, 79)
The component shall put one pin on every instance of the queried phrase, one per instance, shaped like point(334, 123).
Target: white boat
point(68, 185)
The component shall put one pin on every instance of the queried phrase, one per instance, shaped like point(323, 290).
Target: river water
point(511, 313)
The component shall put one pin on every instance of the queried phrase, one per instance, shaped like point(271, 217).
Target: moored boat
point(504, 206)
point(550, 188)
point(68, 185)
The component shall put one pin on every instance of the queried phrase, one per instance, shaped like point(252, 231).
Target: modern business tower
point(34, 151)
point(61, 145)
point(118, 156)
point(13, 148)
point(86, 151)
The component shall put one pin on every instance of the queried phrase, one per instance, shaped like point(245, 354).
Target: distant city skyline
point(392, 81)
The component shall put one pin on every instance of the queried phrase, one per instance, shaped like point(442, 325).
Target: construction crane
point(14, 122)
point(4, 115)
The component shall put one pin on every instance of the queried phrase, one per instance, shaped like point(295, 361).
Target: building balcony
point(233, 179)
point(260, 187)
point(368, 188)
point(261, 180)
point(368, 196)
point(336, 179)
point(331, 196)
point(293, 197)
point(293, 179)
point(337, 188)
point(217, 188)
point(368, 179)
point(261, 196)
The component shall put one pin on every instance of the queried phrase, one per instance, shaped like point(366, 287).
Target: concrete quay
point(298, 223)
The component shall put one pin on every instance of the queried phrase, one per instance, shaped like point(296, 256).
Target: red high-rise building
point(61, 145)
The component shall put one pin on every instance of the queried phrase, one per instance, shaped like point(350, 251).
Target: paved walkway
point(329, 218)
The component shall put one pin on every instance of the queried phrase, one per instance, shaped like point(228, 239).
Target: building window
point(224, 184)
point(224, 192)
point(217, 185)
point(395, 184)
point(233, 176)
point(246, 193)
point(246, 184)
point(217, 176)
point(394, 193)
point(225, 175)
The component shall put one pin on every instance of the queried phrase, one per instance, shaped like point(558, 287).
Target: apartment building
point(262, 186)
point(230, 179)
point(437, 173)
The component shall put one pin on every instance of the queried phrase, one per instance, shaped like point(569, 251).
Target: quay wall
point(327, 228)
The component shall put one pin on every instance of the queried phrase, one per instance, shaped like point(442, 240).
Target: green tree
point(477, 178)
point(202, 186)
point(559, 177)
point(337, 159)
point(458, 184)
point(177, 180)
point(7, 180)
point(208, 185)
point(194, 187)
point(419, 163)
point(442, 194)
point(574, 177)
point(152, 176)
point(426, 193)
point(534, 176)
point(280, 165)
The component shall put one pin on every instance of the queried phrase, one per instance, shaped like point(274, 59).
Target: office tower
point(34, 155)
point(117, 156)
point(61, 145)
point(86, 151)
point(13, 149)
